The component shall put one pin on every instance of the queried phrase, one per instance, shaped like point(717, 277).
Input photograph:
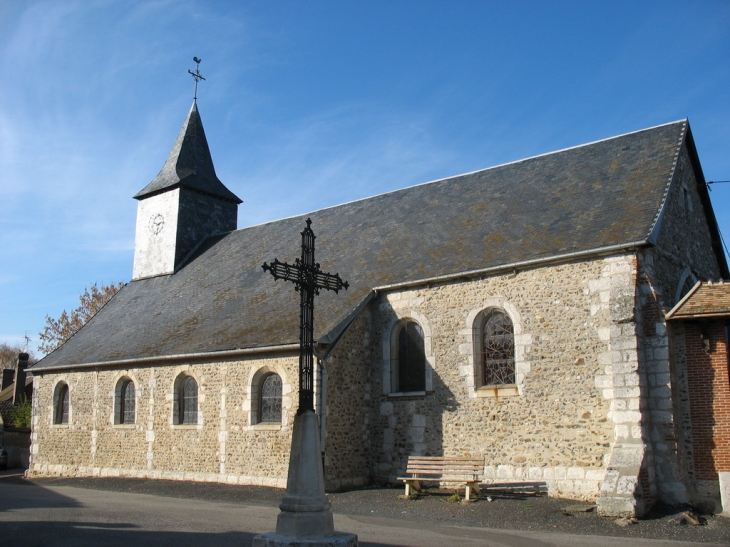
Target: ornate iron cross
point(308, 279)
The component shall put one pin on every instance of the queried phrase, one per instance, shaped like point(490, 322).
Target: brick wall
point(709, 401)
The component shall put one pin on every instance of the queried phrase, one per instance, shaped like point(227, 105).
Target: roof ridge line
point(442, 179)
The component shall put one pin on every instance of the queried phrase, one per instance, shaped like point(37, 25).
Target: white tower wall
point(156, 235)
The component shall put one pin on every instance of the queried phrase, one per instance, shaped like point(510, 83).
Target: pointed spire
point(189, 164)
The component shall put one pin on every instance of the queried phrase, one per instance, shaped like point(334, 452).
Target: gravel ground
point(507, 510)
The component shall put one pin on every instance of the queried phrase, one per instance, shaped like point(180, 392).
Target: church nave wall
point(62, 448)
point(553, 425)
point(223, 446)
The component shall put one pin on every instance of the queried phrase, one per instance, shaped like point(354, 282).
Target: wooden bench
point(440, 469)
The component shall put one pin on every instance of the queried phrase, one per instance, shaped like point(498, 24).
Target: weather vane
point(27, 340)
point(197, 76)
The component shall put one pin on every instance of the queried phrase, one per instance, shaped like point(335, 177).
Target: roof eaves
point(701, 316)
point(169, 358)
point(600, 251)
point(678, 305)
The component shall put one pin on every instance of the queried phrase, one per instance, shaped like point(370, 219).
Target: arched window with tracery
point(496, 363)
point(127, 402)
point(186, 400)
point(61, 404)
point(408, 362)
point(270, 399)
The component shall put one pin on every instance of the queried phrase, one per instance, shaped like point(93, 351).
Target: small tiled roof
point(580, 201)
point(705, 299)
point(189, 164)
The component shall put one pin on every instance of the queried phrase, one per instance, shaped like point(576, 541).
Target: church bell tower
point(185, 204)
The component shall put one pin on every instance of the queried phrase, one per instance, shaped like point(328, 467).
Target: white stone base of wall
point(579, 483)
point(39, 470)
point(582, 483)
point(725, 492)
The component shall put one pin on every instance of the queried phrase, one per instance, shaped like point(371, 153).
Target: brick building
point(514, 313)
point(699, 327)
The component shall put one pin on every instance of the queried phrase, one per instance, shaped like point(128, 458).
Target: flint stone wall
point(559, 427)
point(224, 446)
point(349, 399)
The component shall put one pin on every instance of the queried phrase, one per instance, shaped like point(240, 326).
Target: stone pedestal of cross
point(305, 517)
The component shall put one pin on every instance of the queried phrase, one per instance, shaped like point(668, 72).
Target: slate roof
point(581, 200)
point(189, 164)
point(705, 299)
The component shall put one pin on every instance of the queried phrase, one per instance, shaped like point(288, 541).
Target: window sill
point(264, 427)
point(186, 426)
point(407, 394)
point(60, 426)
point(267, 427)
point(507, 390)
point(125, 426)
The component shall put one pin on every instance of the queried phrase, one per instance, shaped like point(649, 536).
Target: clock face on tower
point(157, 222)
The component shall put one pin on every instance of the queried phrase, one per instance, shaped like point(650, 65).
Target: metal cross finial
point(308, 279)
point(197, 76)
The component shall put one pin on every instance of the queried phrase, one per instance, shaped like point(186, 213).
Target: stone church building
point(515, 314)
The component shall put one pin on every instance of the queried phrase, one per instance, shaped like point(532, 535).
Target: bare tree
point(9, 355)
point(57, 331)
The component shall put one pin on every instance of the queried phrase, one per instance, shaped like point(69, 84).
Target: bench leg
point(412, 487)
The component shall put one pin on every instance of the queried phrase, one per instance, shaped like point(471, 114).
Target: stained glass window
point(188, 401)
point(411, 358)
point(270, 399)
point(127, 401)
point(498, 350)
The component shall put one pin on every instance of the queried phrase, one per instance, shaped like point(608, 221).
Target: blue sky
point(310, 104)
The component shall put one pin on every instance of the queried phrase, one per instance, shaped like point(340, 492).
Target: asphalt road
point(81, 512)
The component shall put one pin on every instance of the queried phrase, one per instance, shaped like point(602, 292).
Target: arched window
point(408, 367)
point(496, 350)
point(186, 400)
point(61, 404)
point(270, 399)
point(126, 402)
